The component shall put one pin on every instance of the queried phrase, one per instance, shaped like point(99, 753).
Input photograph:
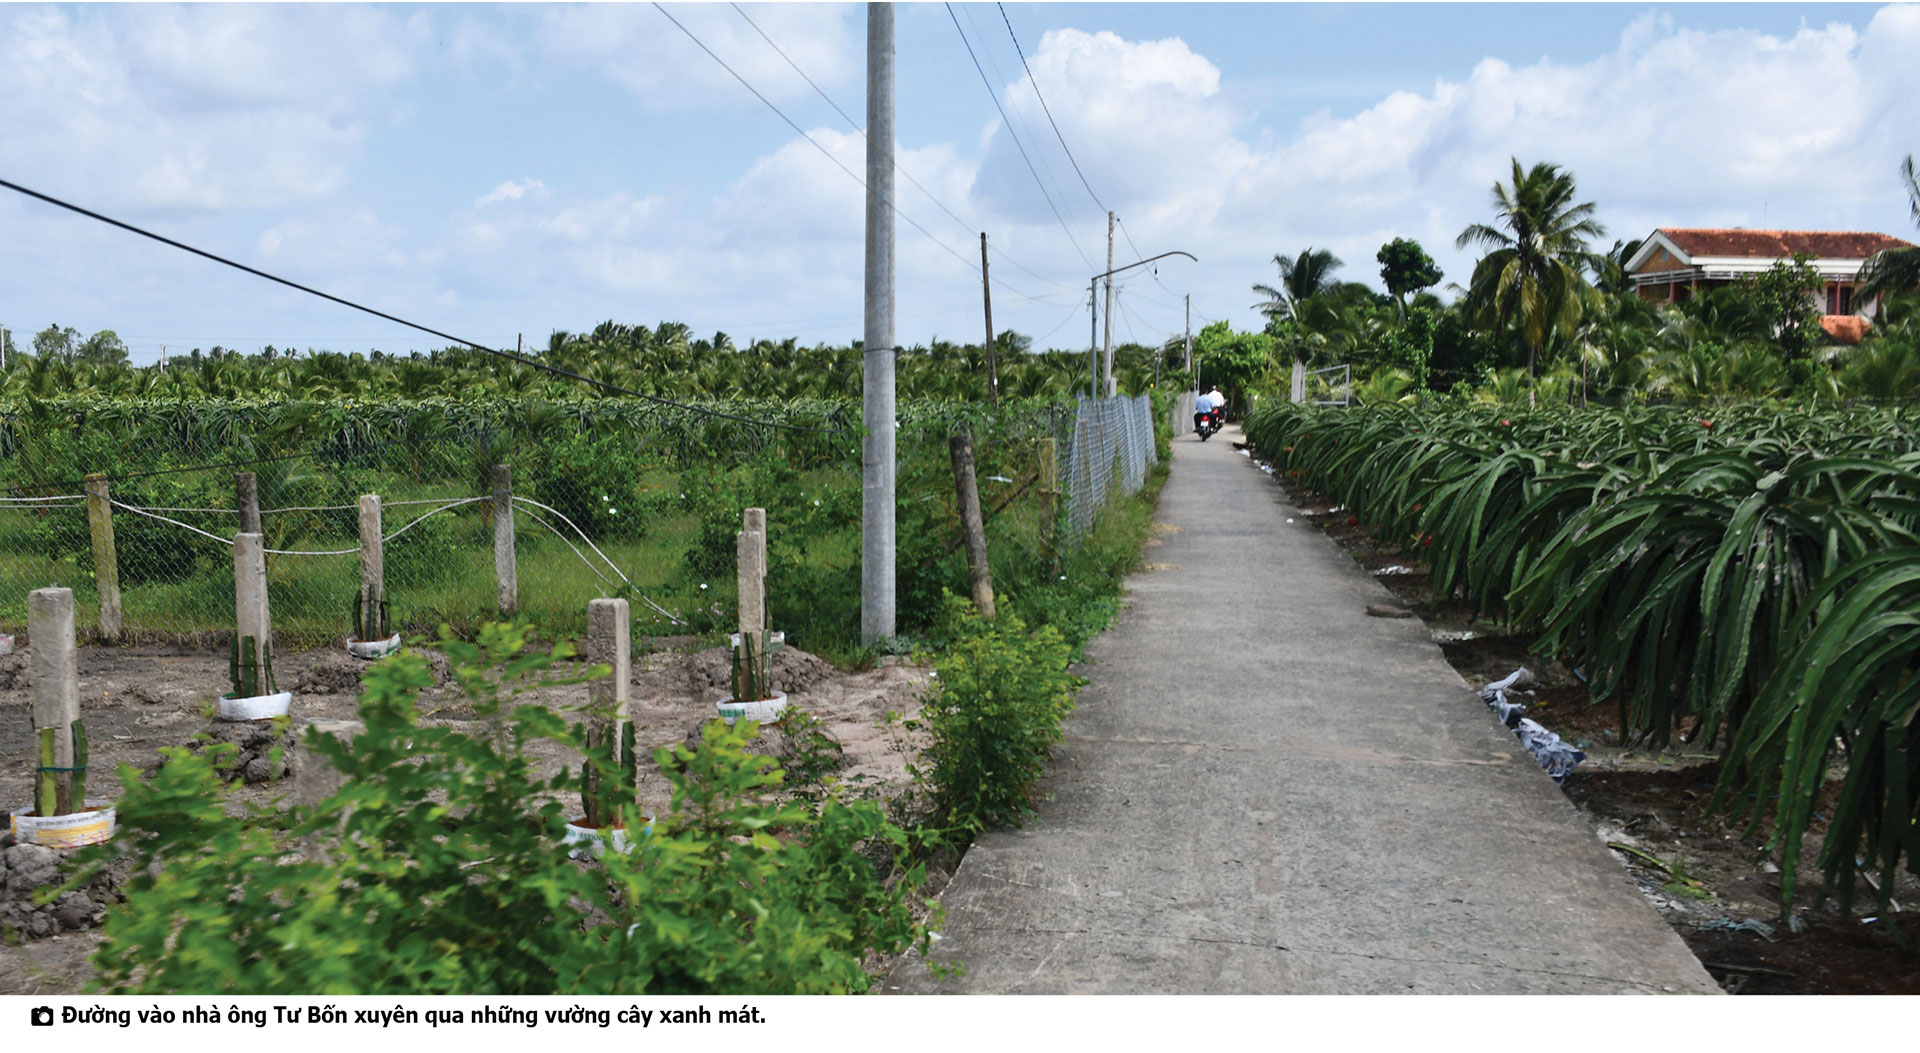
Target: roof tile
point(1779, 244)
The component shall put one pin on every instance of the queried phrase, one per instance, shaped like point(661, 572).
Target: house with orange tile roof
point(1679, 263)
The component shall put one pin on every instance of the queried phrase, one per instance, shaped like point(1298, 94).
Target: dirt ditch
point(1716, 885)
point(137, 700)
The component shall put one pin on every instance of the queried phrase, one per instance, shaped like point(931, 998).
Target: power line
point(824, 152)
point(851, 123)
point(1071, 315)
point(1049, 112)
point(1015, 136)
point(396, 319)
point(1039, 155)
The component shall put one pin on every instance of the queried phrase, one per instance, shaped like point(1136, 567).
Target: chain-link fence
point(607, 499)
point(1184, 405)
point(1109, 453)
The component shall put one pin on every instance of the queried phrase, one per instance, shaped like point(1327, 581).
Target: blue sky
point(492, 171)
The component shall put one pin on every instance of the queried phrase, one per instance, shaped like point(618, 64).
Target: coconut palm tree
point(1530, 280)
point(1301, 278)
point(1894, 270)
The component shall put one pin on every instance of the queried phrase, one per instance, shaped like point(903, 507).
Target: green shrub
point(440, 872)
point(994, 717)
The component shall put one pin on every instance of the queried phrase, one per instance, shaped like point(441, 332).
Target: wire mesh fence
point(1110, 451)
point(638, 501)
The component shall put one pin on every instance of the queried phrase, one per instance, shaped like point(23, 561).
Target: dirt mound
point(28, 869)
point(255, 741)
point(709, 673)
point(332, 673)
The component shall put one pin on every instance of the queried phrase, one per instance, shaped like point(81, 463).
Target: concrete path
point(1334, 812)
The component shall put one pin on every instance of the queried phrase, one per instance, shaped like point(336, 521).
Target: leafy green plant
point(994, 718)
point(436, 867)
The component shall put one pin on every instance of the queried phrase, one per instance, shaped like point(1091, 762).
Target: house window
point(1846, 300)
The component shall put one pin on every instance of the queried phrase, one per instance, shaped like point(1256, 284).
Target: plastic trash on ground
point(1556, 757)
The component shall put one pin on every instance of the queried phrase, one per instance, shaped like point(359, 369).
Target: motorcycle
point(1205, 424)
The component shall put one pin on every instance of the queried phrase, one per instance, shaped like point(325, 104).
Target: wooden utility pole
point(972, 528)
point(986, 297)
point(106, 566)
point(1107, 358)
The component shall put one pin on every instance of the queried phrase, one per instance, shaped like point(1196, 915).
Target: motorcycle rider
point(1206, 403)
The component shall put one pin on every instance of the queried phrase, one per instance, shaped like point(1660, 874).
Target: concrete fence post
point(610, 642)
point(250, 614)
point(505, 573)
point(55, 672)
point(246, 498)
point(751, 553)
point(106, 566)
point(373, 572)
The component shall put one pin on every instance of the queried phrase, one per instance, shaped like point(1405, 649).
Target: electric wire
point(1071, 315)
point(897, 166)
point(828, 154)
point(536, 364)
point(1046, 170)
point(1049, 112)
point(1015, 137)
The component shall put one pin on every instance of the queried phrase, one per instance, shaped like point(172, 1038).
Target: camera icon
point(41, 1015)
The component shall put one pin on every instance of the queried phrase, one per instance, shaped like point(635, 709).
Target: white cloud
point(203, 107)
point(636, 47)
point(1670, 127)
point(512, 191)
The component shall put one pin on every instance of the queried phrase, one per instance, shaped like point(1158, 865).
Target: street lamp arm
point(1143, 263)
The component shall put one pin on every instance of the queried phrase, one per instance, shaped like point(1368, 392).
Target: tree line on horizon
point(1545, 316)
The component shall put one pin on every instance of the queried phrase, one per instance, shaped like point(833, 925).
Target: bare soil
point(1713, 882)
point(137, 700)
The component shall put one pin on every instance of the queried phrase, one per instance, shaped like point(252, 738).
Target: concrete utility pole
point(1190, 377)
point(877, 402)
point(1092, 346)
point(986, 297)
point(1106, 371)
point(1093, 337)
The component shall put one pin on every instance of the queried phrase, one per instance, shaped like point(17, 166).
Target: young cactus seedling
point(250, 667)
point(607, 782)
point(752, 672)
point(369, 620)
point(61, 791)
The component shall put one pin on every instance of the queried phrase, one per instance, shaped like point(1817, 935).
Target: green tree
point(1785, 297)
point(1406, 268)
point(1301, 279)
point(1894, 270)
point(56, 344)
point(103, 348)
point(1529, 282)
point(1232, 361)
